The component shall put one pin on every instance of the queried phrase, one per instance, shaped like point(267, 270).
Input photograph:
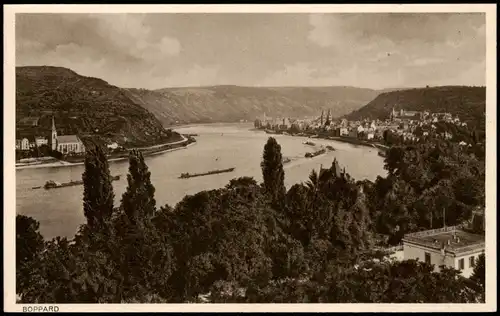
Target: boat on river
point(188, 175)
point(309, 143)
point(316, 153)
point(268, 131)
point(382, 153)
point(330, 148)
point(55, 185)
point(286, 160)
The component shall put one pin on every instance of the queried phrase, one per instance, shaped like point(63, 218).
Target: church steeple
point(393, 114)
point(53, 138)
point(327, 122)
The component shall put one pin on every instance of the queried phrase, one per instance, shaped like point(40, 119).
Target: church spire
point(327, 122)
point(53, 137)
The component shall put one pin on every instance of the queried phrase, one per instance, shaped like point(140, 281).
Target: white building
point(68, 144)
point(113, 145)
point(448, 246)
point(40, 140)
point(25, 144)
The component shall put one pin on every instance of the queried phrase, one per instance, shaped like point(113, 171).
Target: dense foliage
point(251, 242)
point(428, 185)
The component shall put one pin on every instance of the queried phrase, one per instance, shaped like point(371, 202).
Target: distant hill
point(83, 105)
point(469, 103)
point(233, 103)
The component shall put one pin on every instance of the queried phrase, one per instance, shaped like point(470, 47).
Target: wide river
point(219, 146)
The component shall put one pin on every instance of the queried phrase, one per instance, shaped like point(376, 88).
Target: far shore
point(174, 127)
point(352, 141)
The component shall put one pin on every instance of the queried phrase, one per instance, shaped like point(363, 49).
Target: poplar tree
point(273, 173)
point(478, 274)
point(138, 201)
point(142, 249)
point(98, 192)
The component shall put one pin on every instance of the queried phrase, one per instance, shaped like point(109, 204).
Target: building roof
point(30, 138)
point(68, 139)
point(412, 112)
point(439, 238)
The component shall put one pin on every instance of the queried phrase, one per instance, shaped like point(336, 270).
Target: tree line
point(258, 242)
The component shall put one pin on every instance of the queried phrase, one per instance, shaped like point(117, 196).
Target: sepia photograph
point(226, 156)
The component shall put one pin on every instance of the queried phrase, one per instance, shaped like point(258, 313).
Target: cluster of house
point(402, 123)
point(66, 144)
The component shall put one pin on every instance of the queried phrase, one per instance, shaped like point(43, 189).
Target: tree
point(29, 247)
point(298, 212)
point(56, 154)
point(145, 257)
point(44, 150)
point(273, 173)
point(138, 201)
point(478, 275)
point(98, 193)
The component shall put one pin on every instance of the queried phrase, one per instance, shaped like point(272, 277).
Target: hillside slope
point(83, 105)
point(233, 103)
point(469, 103)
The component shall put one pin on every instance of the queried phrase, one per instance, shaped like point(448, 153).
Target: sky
point(159, 50)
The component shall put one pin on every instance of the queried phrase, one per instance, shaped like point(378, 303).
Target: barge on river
point(55, 185)
point(316, 153)
point(188, 175)
point(309, 143)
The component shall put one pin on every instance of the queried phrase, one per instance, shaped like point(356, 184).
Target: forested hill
point(83, 105)
point(234, 103)
point(469, 103)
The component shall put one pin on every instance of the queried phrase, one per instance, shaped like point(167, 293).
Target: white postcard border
point(9, 157)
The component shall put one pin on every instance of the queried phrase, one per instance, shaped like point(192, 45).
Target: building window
point(461, 264)
point(472, 262)
point(427, 258)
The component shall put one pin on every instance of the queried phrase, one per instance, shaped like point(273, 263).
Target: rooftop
point(67, 139)
point(459, 240)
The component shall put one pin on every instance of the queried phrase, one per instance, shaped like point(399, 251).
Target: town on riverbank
point(401, 127)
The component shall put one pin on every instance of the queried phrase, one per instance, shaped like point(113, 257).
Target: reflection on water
point(219, 146)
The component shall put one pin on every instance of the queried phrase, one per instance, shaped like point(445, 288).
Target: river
point(219, 146)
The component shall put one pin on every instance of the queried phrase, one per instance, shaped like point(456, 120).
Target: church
point(65, 144)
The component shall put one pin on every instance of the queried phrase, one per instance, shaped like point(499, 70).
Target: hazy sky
point(159, 50)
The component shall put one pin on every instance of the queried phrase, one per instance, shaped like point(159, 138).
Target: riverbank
point(61, 163)
point(350, 140)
